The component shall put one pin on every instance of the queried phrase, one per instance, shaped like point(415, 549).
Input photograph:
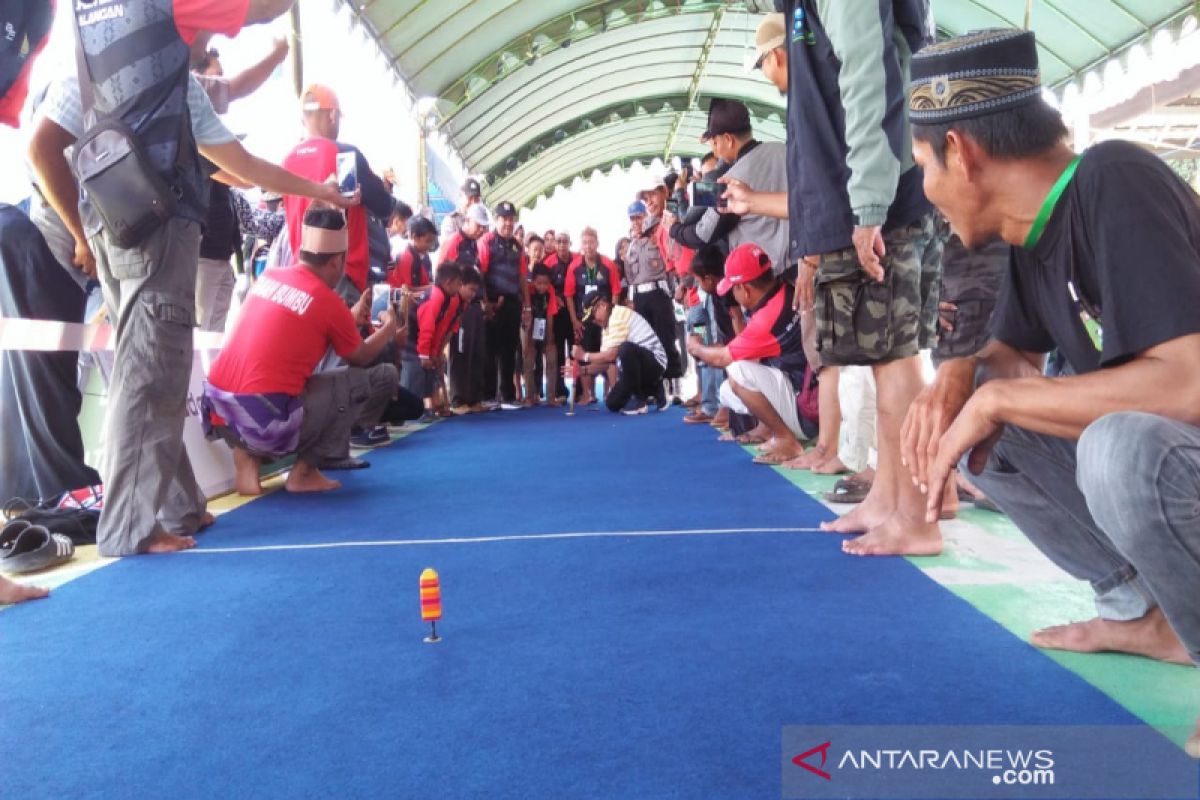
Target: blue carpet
point(626, 667)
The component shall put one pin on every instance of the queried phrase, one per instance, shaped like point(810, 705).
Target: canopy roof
point(532, 93)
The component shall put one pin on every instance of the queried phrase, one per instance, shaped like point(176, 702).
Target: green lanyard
point(592, 272)
point(1060, 186)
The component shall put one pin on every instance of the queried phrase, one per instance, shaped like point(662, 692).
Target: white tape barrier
point(45, 336)
point(211, 461)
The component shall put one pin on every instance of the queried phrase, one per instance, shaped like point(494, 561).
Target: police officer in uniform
point(647, 275)
point(506, 300)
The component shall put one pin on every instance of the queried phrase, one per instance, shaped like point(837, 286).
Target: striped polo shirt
point(626, 325)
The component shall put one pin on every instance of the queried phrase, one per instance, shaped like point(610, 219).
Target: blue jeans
point(1120, 509)
point(711, 378)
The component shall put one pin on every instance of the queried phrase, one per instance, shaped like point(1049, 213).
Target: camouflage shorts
point(971, 280)
point(861, 321)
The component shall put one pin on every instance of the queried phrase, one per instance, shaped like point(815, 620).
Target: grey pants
point(336, 400)
point(1120, 509)
point(149, 486)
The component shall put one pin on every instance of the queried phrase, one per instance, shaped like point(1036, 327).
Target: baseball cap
point(471, 188)
point(636, 208)
point(656, 184)
point(589, 305)
point(478, 213)
point(747, 262)
point(772, 33)
point(505, 209)
point(726, 116)
point(317, 97)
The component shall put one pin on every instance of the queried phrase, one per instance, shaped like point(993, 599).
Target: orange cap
point(317, 97)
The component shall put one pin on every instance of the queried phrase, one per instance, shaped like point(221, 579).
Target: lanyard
point(591, 273)
point(1060, 186)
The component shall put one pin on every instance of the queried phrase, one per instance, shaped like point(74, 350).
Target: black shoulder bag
point(112, 165)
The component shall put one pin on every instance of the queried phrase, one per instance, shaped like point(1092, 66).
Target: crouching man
point(262, 397)
point(631, 355)
point(765, 363)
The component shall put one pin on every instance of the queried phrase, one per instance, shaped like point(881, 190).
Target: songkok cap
point(471, 188)
point(505, 209)
point(979, 73)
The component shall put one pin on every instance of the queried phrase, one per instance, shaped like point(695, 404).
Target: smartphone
point(347, 173)
point(673, 207)
point(397, 302)
point(699, 328)
point(707, 194)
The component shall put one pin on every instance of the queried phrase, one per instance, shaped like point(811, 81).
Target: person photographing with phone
point(762, 165)
point(321, 156)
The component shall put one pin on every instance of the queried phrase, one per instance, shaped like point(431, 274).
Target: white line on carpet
point(482, 539)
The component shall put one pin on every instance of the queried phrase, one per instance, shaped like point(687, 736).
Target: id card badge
point(539, 330)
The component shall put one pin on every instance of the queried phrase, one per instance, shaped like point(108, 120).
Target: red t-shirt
point(288, 322)
point(316, 159)
point(758, 340)
point(225, 17)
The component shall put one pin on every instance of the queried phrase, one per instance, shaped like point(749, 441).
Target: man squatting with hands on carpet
point(262, 397)
point(1100, 468)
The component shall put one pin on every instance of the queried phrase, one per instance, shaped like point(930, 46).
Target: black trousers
point(405, 408)
point(564, 340)
point(41, 449)
point(658, 309)
point(468, 350)
point(640, 375)
point(503, 344)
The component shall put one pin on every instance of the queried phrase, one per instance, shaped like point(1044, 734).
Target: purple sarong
point(268, 424)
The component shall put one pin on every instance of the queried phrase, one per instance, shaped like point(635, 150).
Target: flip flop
point(338, 464)
point(37, 548)
point(848, 491)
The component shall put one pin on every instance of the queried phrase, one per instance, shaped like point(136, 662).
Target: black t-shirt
point(1127, 232)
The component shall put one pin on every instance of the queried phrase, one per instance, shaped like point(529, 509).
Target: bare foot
point(898, 536)
point(164, 542)
point(779, 451)
point(830, 466)
point(866, 515)
point(245, 476)
point(808, 460)
point(721, 420)
point(206, 520)
point(950, 498)
point(1151, 636)
point(305, 478)
point(16, 593)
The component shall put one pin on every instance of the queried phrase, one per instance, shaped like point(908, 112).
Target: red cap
point(317, 97)
point(745, 263)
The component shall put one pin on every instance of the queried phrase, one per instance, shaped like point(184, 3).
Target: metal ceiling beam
point(694, 89)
